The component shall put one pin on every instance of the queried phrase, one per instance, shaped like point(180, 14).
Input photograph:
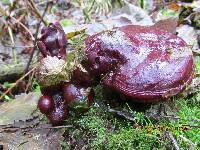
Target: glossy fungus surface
point(60, 111)
point(78, 97)
point(45, 104)
point(53, 41)
point(82, 78)
point(57, 116)
point(53, 105)
point(143, 63)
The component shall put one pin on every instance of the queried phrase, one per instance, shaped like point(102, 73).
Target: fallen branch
point(12, 72)
point(56, 127)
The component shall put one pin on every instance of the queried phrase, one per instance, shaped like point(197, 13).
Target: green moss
point(102, 130)
point(190, 119)
point(108, 132)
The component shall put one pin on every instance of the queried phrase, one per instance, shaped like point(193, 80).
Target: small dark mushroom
point(54, 107)
point(53, 41)
point(57, 116)
point(45, 104)
point(145, 64)
point(78, 97)
point(60, 111)
point(84, 78)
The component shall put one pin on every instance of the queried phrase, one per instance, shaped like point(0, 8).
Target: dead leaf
point(136, 15)
point(174, 6)
point(189, 34)
point(18, 109)
point(167, 24)
point(165, 109)
point(127, 15)
point(39, 138)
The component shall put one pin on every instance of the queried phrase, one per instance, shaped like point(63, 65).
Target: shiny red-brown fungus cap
point(53, 41)
point(60, 111)
point(143, 63)
point(78, 97)
point(85, 79)
point(45, 104)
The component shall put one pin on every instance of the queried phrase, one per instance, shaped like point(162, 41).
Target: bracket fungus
point(145, 64)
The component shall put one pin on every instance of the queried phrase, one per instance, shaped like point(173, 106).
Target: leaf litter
point(20, 111)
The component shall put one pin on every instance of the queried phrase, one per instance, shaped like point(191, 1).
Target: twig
point(13, 42)
point(35, 37)
point(32, 5)
point(11, 35)
point(9, 89)
point(30, 81)
point(40, 3)
point(123, 114)
point(20, 46)
point(174, 142)
point(24, 27)
point(56, 127)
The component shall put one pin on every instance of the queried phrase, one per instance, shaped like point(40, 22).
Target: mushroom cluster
point(144, 64)
point(60, 93)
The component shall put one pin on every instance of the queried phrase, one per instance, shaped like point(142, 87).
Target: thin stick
point(31, 3)
point(56, 127)
point(174, 142)
point(35, 41)
point(30, 79)
point(13, 42)
point(9, 89)
point(19, 46)
point(24, 27)
point(43, 2)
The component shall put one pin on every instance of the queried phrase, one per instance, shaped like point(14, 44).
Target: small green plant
point(66, 22)
point(7, 98)
point(197, 64)
point(35, 86)
point(168, 12)
point(7, 85)
point(107, 132)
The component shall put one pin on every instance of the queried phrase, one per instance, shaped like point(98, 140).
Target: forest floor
point(109, 123)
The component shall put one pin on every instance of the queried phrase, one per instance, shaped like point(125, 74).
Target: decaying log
point(11, 72)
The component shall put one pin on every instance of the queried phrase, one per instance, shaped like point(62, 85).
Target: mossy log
point(11, 72)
